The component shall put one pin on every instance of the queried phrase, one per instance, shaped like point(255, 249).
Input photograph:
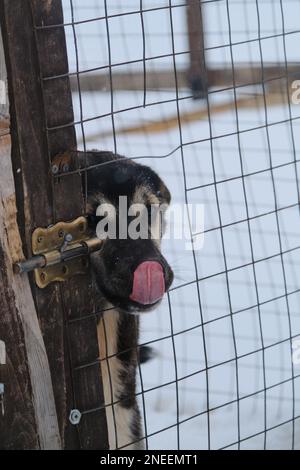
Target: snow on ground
point(193, 323)
point(126, 33)
point(161, 403)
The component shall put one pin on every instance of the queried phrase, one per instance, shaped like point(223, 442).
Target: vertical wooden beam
point(197, 75)
point(37, 106)
point(30, 420)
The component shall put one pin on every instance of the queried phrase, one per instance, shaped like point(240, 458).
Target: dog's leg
point(118, 367)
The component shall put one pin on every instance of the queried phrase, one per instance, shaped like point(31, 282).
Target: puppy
point(132, 276)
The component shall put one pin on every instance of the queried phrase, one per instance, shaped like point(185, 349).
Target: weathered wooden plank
point(30, 420)
point(29, 399)
point(18, 428)
point(43, 200)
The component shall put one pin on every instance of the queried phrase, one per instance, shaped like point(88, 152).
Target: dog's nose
point(148, 283)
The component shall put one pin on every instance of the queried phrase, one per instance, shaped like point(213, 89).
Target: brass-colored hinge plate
point(49, 242)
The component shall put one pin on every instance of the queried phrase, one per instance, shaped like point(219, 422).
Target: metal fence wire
point(202, 91)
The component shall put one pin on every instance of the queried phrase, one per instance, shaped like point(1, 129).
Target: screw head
point(75, 417)
point(69, 238)
point(54, 169)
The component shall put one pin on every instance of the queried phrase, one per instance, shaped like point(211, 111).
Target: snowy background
point(229, 326)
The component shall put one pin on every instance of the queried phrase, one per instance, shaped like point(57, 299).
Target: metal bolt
point(75, 417)
point(69, 238)
point(54, 169)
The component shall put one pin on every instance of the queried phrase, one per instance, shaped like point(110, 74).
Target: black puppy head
point(131, 273)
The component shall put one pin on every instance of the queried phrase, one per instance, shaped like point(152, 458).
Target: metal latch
point(60, 252)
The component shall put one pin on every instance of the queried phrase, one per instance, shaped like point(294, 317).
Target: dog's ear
point(157, 186)
point(164, 194)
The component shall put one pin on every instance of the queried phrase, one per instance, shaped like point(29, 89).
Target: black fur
point(146, 353)
point(114, 266)
point(112, 176)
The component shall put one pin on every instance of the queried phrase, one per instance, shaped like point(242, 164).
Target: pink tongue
point(148, 283)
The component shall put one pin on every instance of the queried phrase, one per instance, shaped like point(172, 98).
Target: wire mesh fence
point(223, 374)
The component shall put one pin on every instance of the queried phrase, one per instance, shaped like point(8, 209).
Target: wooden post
point(33, 52)
point(30, 420)
point(197, 75)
